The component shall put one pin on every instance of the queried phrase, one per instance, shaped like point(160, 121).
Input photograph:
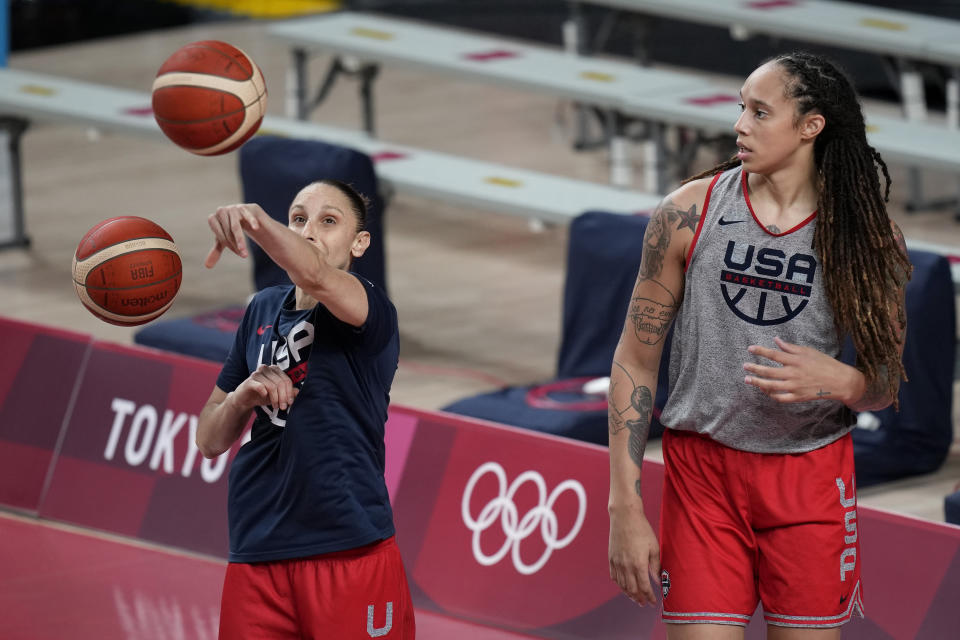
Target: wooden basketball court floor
point(478, 293)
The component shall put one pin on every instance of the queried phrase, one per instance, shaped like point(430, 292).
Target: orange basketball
point(209, 97)
point(127, 270)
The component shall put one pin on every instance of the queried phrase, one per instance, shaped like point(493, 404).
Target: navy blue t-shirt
point(310, 480)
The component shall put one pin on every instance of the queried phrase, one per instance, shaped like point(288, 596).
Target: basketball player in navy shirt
point(312, 553)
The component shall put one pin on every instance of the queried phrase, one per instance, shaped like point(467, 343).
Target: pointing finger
point(214, 256)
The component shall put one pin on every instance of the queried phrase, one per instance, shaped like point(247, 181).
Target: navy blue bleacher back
point(917, 439)
point(603, 258)
point(951, 508)
point(274, 169)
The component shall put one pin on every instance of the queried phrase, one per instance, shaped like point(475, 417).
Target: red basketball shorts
point(361, 593)
point(739, 528)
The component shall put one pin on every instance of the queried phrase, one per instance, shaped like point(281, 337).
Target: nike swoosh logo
point(843, 599)
point(726, 222)
point(260, 330)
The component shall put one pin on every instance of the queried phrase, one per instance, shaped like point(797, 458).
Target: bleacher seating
point(28, 96)
point(657, 97)
point(905, 37)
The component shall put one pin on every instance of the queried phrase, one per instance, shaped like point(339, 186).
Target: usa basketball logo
point(766, 286)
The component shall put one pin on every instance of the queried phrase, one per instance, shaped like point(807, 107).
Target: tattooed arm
point(634, 552)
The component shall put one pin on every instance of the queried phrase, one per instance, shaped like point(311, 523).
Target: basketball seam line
point(121, 320)
point(225, 55)
point(121, 242)
point(150, 284)
point(212, 119)
point(197, 73)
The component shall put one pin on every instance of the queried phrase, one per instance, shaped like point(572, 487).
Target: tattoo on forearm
point(640, 408)
point(615, 416)
point(651, 316)
point(616, 419)
point(655, 243)
point(657, 237)
point(876, 392)
point(641, 401)
point(822, 393)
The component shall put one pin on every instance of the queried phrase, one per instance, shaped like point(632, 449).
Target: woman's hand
point(804, 374)
point(268, 385)
point(634, 557)
point(228, 225)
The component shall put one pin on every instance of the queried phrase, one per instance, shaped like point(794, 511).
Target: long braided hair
point(863, 264)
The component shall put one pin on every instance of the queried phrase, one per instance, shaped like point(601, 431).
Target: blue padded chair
point(917, 439)
point(272, 171)
point(603, 258)
point(951, 508)
point(207, 335)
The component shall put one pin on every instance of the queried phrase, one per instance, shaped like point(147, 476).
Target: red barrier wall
point(497, 525)
point(128, 463)
point(40, 370)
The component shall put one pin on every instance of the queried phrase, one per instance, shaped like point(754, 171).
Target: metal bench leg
point(953, 99)
point(341, 65)
point(575, 43)
point(621, 164)
point(661, 176)
point(12, 229)
point(953, 122)
point(368, 73)
point(296, 106)
point(914, 110)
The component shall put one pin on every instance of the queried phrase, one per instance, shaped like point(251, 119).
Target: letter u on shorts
point(350, 595)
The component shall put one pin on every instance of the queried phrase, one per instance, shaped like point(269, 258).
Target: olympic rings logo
point(515, 528)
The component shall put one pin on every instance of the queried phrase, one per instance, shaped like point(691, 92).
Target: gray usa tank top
point(744, 286)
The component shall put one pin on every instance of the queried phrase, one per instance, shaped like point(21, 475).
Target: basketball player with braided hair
point(764, 265)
